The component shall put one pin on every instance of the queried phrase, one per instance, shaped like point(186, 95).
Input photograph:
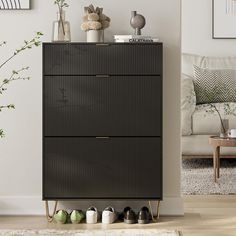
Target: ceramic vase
point(95, 36)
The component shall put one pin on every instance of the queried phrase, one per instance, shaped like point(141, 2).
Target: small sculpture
point(137, 21)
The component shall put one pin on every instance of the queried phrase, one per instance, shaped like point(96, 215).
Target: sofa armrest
point(188, 104)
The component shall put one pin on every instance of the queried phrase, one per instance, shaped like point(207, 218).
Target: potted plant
point(16, 74)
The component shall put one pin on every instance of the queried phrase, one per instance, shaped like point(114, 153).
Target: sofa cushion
point(188, 104)
point(206, 121)
point(214, 86)
point(188, 60)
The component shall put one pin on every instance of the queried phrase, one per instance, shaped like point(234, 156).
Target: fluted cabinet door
point(102, 106)
point(111, 59)
point(92, 168)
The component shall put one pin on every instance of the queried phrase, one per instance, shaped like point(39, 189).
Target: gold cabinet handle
point(102, 76)
point(102, 44)
point(102, 137)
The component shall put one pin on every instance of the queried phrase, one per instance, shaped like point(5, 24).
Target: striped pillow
point(214, 86)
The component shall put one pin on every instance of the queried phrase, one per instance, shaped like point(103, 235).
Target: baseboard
point(33, 205)
point(172, 206)
point(21, 205)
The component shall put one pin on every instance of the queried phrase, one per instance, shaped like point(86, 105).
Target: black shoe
point(129, 216)
point(144, 216)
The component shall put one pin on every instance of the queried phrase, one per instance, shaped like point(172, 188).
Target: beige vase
point(95, 36)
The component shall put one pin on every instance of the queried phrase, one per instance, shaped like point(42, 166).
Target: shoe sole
point(129, 221)
point(107, 222)
point(143, 221)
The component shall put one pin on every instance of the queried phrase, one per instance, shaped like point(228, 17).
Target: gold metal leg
point(158, 211)
point(50, 217)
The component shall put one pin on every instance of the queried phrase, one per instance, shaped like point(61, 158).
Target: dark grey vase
point(137, 21)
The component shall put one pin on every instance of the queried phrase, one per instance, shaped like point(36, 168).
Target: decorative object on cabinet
point(16, 74)
point(61, 27)
point(137, 21)
point(94, 23)
point(135, 39)
point(15, 5)
point(109, 130)
point(224, 18)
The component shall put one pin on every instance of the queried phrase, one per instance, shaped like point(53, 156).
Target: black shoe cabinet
point(102, 121)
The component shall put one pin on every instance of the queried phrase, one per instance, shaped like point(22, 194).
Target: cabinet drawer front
point(90, 168)
point(102, 106)
point(90, 59)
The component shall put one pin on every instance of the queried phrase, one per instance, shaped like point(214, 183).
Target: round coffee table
point(216, 142)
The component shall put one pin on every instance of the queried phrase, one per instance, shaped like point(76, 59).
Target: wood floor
point(204, 216)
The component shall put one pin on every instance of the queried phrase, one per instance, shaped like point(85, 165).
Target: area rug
point(197, 177)
point(123, 232)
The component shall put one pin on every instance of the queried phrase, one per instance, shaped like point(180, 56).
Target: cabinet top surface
point(105, 43)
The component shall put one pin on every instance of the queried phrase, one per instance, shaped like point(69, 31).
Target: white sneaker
point(108, 215)
point(92, 215)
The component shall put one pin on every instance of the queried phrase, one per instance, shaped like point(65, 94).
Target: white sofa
point(197, 124)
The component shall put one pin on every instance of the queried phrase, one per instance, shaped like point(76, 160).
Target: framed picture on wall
point(14, 4)
point(224, 19)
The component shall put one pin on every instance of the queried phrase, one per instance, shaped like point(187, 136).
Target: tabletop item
point(137, 21)
point(135, 39)
point(233, 133)
point(61, 27)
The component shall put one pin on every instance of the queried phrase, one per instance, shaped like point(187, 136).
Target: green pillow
point(214, 86)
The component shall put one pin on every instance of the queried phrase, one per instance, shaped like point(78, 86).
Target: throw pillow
point(214, 86)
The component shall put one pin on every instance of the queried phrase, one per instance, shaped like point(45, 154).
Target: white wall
point(20, 150)
point(197, 31)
